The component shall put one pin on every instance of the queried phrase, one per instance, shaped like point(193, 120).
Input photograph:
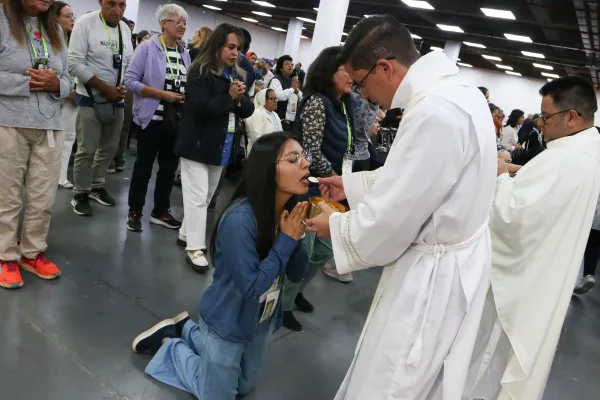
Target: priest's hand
point(502, 168)
point(513, 168)
point(332, 188)
point(320, 224)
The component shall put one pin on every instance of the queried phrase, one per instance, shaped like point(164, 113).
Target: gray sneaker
point(585, 285)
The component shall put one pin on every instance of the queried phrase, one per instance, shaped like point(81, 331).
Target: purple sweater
point(148, 67)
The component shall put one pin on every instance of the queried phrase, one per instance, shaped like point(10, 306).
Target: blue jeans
point(209, 367)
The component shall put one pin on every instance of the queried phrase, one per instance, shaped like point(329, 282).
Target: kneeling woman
point(257, 242)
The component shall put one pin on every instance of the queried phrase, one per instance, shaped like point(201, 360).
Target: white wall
point(81, 7)
point(511, 92)
point(304, 53)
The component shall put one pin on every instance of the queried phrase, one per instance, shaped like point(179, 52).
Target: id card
point(41, 64)
point(347, 165)
point(270, 299)
point(231, 125)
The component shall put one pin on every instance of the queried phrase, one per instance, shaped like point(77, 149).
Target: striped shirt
point(179, 75)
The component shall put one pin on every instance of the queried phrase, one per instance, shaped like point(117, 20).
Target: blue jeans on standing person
point(209, 367)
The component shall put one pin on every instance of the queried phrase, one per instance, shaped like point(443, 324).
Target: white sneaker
point(331, 271)
point(585, 285)
point(65, 185)
point(197, 260)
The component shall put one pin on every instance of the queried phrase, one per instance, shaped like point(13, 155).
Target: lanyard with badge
point(117, 57)
point(269, 299)
point(231, 125)
point(348, 157)
point(39, 62)
point(174, 77)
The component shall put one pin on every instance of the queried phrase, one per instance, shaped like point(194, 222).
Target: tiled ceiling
point(565, 32)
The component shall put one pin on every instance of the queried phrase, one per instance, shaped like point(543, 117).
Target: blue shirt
point(228, 145)
point(231, 304)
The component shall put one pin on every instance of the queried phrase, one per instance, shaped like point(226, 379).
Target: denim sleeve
point(237, 240)
point(298, 264)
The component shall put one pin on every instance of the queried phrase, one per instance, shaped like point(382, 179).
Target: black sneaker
point(290, 322)
point(81, 205)
point(134, 221)
point(213, 204)
point(102, 197)
point(120, 165)
point(303, 304)
point(153, 337)
point(180, 321)
point(165, 220)
point(177, 180)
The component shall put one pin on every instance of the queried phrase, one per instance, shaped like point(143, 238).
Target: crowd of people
point(425, 213)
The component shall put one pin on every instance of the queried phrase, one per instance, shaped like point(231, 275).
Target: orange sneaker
point(41, 266)
point(10, 276)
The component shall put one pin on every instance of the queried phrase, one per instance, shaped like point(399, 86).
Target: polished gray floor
point(70, 339)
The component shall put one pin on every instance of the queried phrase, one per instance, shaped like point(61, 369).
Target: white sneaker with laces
point(331, 271)
point(65, 185)
point(197, 260)
point(585, 284)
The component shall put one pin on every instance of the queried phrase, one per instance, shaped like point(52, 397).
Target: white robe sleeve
point(424, 164)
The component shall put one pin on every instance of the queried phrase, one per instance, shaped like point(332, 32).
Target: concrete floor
point(70, 339)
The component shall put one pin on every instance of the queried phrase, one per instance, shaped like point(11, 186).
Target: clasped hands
point(237, 90)
point(43, 80)
point(332, 190)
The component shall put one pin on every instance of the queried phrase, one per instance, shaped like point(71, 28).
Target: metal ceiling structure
point(565, 32)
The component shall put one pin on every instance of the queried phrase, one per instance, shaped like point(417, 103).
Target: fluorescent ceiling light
point(344, 34)
point(303, 28)
point(278, 29)
point(490, 12)
point(249, 19)
point(530, 54)
point(263, 3)
point(493, 58)
point(513, 73)
point(542, 66)
point(435, 48)
point(504, 67)
point(342, 43)
point(262, 14)
point(458, 58)
point(549, 80)
point(418, 4)
point(367, 16)
point(304, 37)
point(474, 45)
point(316, 9)
point(547, 75)
point(450, 28)
point(518, 38)
point(312, 21)
point(212, 7)
point(415, 36)
point(465, 65)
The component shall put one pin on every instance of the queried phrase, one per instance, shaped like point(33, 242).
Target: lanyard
point(176, 81)
point(110, 37)
point(348, 126)
point(35, 53)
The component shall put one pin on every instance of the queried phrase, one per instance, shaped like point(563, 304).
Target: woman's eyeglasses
point(272, 99)
point(296, 158)
point(180, 22)
point(69, 16)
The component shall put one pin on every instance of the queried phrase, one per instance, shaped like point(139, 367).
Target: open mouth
point(305, 180)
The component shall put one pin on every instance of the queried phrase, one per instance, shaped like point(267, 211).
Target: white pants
point(198, 183)
point(69, 115)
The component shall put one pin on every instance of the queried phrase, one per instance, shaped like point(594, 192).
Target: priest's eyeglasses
point(296, 158)
point(545, 117)
point(359, 85)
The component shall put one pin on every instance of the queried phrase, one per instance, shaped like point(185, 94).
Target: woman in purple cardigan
point(157, 77)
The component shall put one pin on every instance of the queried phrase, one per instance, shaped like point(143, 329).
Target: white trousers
point(69, 115)
point(198, 183)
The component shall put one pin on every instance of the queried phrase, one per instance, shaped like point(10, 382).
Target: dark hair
point(125, 20)
point(514, 117)
point(15, 15)
point(247, 40)
point(319, 78)
point(141, 35)
point(280, 62)
point(377, 37)
point(493, 108)
point(57, 7)
point(572, 93)
point(258, 186)
point(209, 57)
point(484, 90)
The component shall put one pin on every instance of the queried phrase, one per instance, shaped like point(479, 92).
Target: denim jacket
point(230, 306)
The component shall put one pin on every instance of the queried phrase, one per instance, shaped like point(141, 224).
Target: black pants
point(592, 251)
point(157, 139)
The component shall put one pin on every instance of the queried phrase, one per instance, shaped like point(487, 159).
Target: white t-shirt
point(91, 51)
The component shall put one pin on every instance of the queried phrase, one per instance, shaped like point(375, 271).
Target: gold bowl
point(314, 210)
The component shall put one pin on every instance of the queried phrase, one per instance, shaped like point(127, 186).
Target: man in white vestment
point(540, 224)
point(424, 216)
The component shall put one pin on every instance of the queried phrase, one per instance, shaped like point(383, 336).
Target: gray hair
point(166, 10)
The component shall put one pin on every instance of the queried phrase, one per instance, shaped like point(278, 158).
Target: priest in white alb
point(540, 224)
point(424, 216)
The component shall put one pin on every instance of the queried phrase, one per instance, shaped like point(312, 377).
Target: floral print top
point(313, 129)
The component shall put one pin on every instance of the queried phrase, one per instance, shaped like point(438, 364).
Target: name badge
point(231, 125)
point(347, 164)
point(270, 299)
